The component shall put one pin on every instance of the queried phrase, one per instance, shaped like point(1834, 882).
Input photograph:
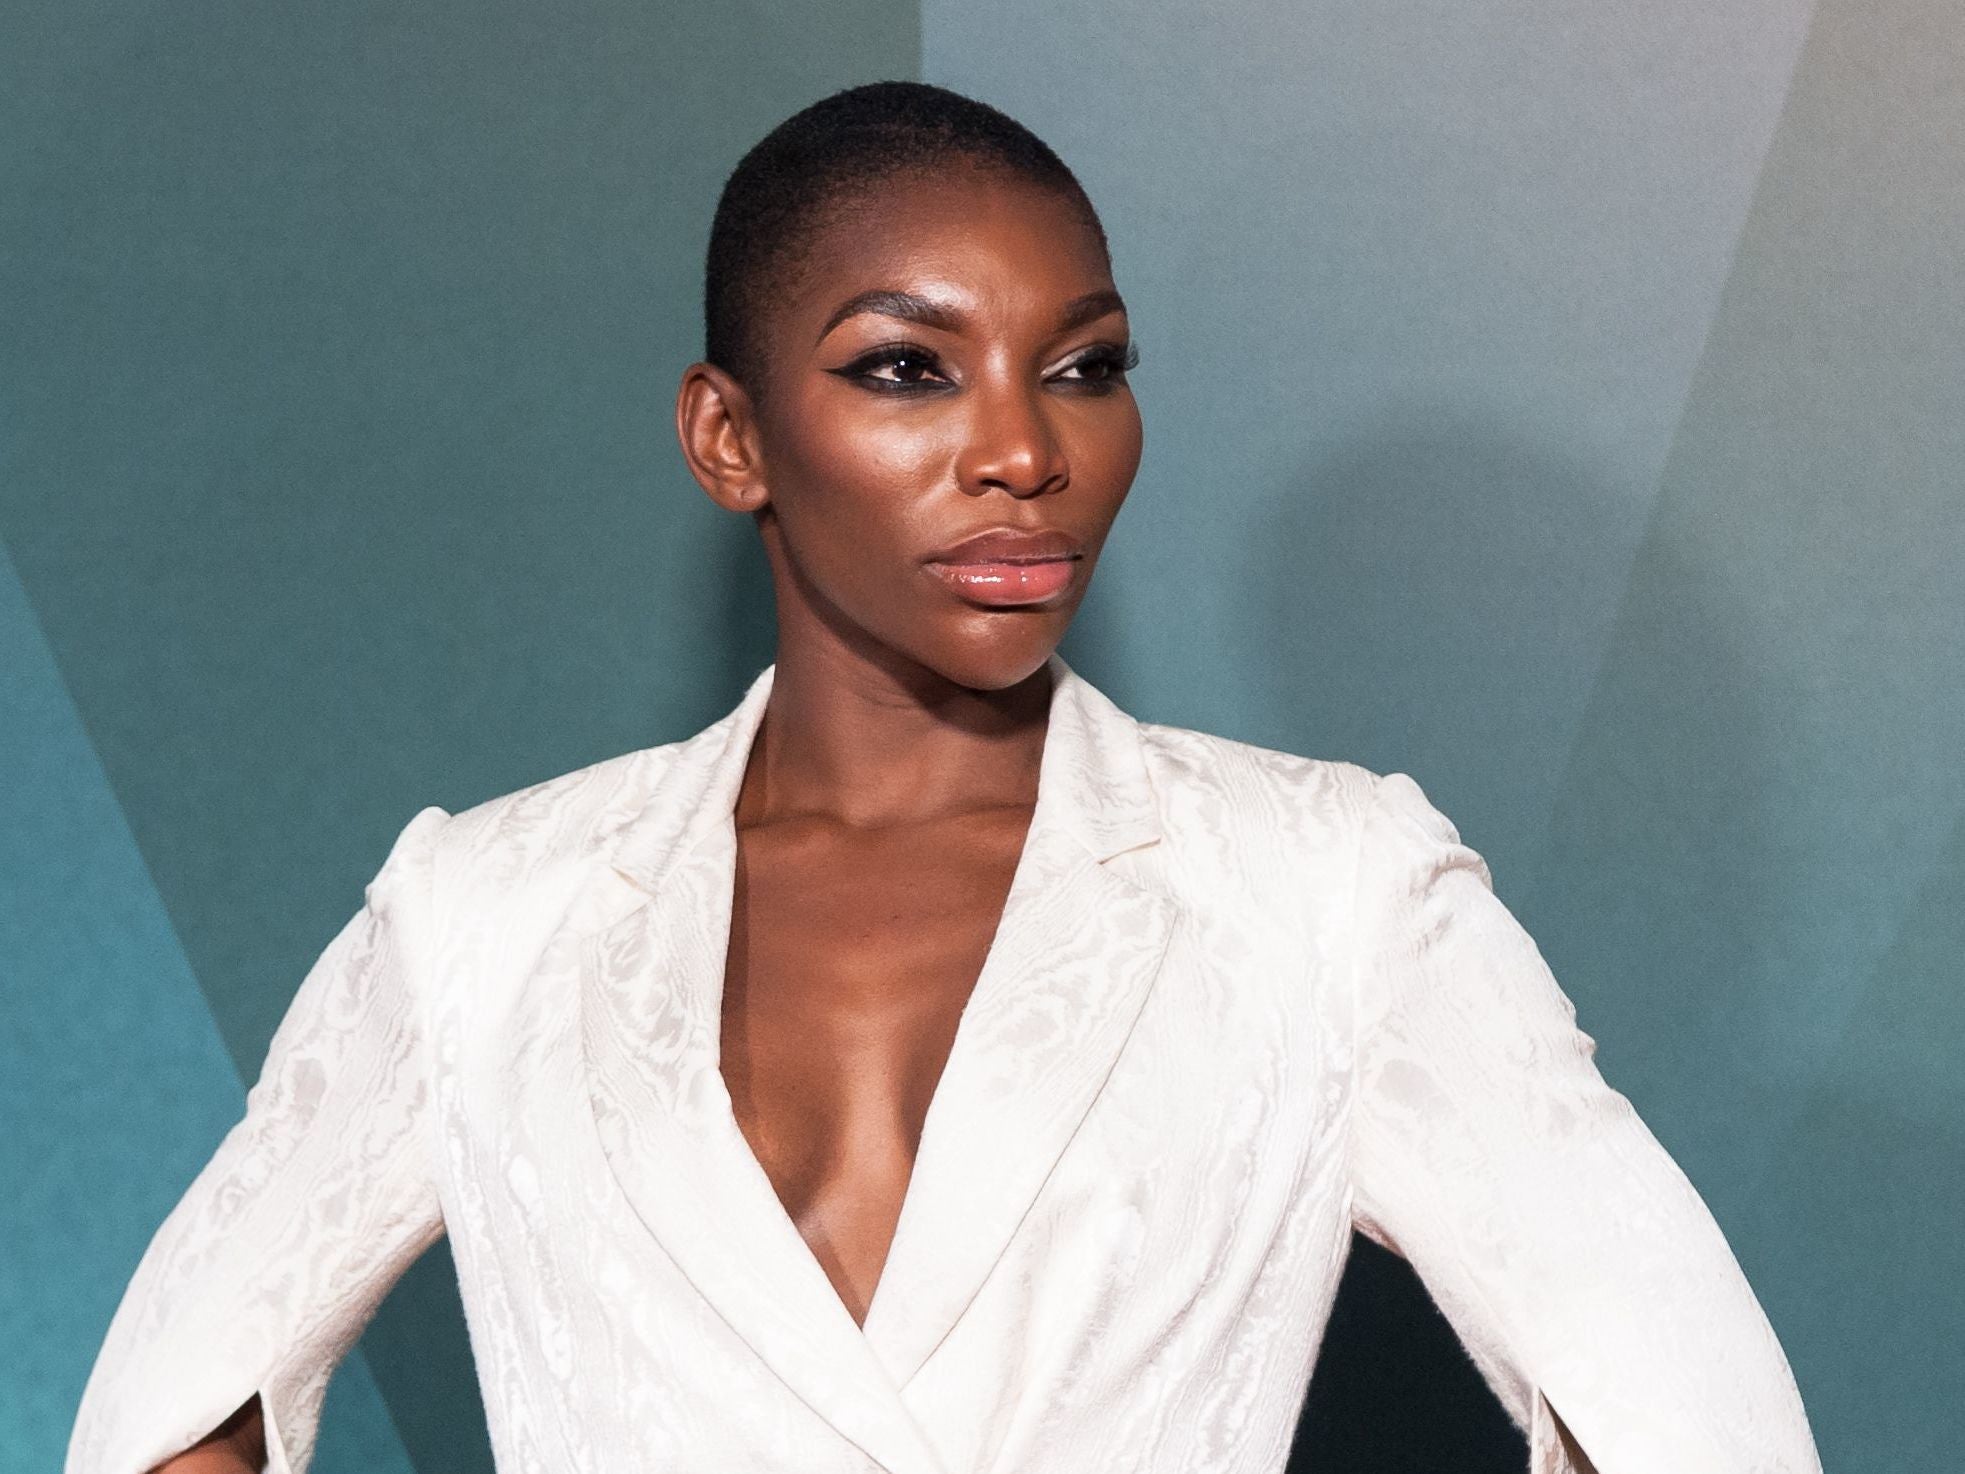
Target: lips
point(1006, 566)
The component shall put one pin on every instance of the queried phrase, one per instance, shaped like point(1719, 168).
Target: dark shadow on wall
point(1416, 589)
point(1367, 590)
point(419, 1351)
point(1862, 1203)
point(1394, 1393)
point(1445, 615)
point(1661, 897)
point(1435, 592)
point(1438, 595)
point(1686, 864)
point(1611, 730)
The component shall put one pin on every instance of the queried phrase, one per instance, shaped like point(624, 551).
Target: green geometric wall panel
point(1557, 403)
point(1420, 291)
point(1755, 874)
point(1563, 407)
point(114, 1084)
point(337, 458)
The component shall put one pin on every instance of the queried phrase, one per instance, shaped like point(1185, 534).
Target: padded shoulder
point(1318, 799)
point(518, 839)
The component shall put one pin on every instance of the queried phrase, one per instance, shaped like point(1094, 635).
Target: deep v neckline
point(1076, 950)
point(724, 1104)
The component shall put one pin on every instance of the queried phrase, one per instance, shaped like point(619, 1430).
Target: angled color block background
point(1558, 404)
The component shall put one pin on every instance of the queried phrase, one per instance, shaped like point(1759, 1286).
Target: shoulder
point(529, 838)
point(1265, 812)
point(1202, 776)
point(1267, 837)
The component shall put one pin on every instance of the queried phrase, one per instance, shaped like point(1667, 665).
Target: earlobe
point(716, 426)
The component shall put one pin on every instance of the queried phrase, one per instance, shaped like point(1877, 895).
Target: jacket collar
point(1072, 962)
point(1092, 781)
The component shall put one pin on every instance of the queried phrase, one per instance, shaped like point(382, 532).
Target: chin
point(1009, 650)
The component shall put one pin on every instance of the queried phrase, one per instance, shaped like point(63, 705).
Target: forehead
point(1006, 247)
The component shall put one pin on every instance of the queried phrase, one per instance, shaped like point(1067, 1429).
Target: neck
point(871, 739)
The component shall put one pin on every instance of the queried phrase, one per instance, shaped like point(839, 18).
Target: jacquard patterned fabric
point(1238, 1002)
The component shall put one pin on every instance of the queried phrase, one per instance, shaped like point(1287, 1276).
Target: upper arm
point(1573, 1257)
point(277, 1255)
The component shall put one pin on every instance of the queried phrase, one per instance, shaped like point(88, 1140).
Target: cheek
point(886, 461)
point(1103, 442)
point(1129, 442)
point(861, 480)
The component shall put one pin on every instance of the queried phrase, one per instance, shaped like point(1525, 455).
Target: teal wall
point(1564, 402)
point(337, 478)
point(1561, 402)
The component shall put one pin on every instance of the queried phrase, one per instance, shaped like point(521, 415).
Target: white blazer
point(1239, 1002)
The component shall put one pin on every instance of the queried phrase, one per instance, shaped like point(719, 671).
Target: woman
point(927, 1067)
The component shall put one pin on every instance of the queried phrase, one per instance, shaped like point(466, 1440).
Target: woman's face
point(948, 366)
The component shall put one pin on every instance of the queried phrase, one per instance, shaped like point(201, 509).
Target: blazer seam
point(421, 980)
point(1354, 1001)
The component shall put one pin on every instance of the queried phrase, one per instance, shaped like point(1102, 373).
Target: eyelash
point(1119, 360)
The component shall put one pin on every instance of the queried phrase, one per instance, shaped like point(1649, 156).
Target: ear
point(717, 425)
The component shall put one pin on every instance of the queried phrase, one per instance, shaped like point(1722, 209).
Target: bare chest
point(851, 959)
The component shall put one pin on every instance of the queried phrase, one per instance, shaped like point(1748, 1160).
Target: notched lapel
point(1073, 960)
point(650, 990)
point(1075, 956)
point(648, 1027)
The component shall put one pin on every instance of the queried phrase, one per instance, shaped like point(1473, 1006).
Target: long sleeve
point(266, 1271)
point(1574, 1259)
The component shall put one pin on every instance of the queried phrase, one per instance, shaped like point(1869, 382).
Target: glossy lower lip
point(1008, 583)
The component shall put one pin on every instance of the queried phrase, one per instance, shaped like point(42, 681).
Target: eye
point(896, 367)
point(1103, 366)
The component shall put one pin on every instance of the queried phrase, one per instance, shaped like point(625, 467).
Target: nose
point(1013, 445)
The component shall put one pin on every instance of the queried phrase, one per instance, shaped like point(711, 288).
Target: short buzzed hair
point(819, 159)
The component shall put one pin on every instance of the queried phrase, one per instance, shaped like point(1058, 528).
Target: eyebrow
point(910, 307)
